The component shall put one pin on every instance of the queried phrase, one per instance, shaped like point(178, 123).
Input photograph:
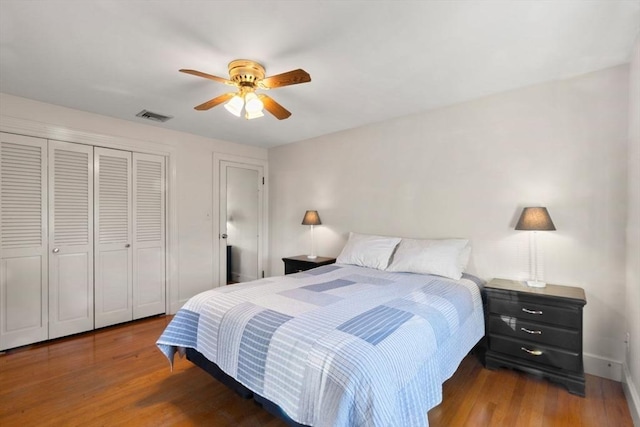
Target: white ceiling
point(369, 60)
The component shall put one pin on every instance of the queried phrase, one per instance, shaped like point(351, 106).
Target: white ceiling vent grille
point(149, 115)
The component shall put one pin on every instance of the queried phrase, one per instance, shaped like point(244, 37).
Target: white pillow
point(446, 257)
point(368, 250)
point(463, 258)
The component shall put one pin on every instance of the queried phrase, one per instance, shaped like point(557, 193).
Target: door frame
point(220, 278)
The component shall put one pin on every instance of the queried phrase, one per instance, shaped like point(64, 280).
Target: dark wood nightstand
point(296, 264)
point(537, 330)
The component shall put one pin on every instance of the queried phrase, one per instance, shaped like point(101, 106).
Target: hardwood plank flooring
point(116, 376)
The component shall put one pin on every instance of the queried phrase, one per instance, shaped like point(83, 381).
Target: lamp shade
point(234, 106)
point(535, 219)
point(253, 114)
point(253, 103)
point(311, 218)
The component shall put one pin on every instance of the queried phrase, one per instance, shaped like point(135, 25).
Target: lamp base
point(312, 256)
point(536, 284)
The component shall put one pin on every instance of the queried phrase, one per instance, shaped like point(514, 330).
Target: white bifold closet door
point(113, 236)
point(129, 236)
point(148, 235)
point(23, 240)
point(82, 238)
point(70, 238)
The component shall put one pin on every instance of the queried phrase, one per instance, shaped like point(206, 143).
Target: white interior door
point(113, 236)
point(70, 238)
point(240, 221)
point(148, 235)
point(23, 240)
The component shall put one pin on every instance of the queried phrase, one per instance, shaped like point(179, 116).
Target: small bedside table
point(536, 330)
point(296, 264)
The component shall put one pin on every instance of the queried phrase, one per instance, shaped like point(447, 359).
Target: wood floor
point(116, 376)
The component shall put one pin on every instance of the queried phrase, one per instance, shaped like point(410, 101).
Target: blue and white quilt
point(338, 345)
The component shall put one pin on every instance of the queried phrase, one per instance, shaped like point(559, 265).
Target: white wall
point(192, 260)
point(466, 171)
point(632, 371)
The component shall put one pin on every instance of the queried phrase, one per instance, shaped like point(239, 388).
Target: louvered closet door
point(23, 240)
point(70, 238)
point(148, 235)
point(113, 236)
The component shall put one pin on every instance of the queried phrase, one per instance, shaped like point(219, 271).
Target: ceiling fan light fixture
point(253, 104)
point(234, 106)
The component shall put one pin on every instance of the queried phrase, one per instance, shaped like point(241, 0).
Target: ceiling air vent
point(153, 116)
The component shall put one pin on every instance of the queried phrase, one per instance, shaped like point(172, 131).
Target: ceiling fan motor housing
point(246, 73)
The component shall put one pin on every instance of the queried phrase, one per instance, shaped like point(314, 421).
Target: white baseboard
point(633, 400)
point(605, 368)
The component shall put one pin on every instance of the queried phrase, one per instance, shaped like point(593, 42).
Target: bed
point(339, 345)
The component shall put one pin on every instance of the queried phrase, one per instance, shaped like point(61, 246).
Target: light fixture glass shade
point(311, 218)
point(253, 105)
point(253, 114)
point(535, 219)
point(234, 106)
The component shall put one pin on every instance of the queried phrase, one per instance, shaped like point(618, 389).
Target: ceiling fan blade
point(285, 79)
point(208, 76)
point(273, 107)
point(215, 101)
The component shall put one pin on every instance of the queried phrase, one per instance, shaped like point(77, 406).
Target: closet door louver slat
point(149, 201)
point(22, 183)
point(71, 193)
point(114, 199)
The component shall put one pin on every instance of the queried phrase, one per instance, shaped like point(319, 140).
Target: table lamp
point(535, 219)
point(311, 218)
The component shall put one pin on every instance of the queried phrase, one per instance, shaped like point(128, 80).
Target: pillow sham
point(463, 258)
point(446, 257)
point(368, 250)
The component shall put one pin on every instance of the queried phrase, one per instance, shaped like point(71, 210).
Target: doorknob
point(224, 235)
point(55, 250)
point(127, 245)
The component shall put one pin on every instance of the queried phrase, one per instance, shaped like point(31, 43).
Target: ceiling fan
point(248, 76)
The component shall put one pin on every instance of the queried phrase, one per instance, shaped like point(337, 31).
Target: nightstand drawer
point(542, 333)
point(291, 267)
point(537, 353)
point(534, 311)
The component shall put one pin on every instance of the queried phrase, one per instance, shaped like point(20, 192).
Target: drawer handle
point(529, 331)
point(531, 352)
point(526, 310)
